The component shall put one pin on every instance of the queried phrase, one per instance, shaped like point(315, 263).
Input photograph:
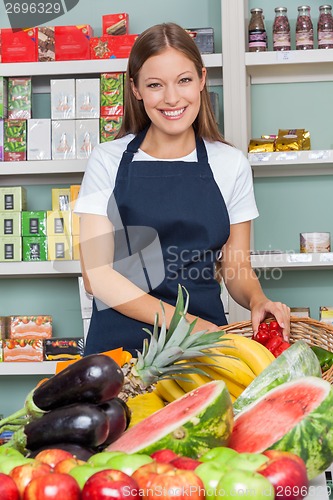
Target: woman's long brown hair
point(151, 42)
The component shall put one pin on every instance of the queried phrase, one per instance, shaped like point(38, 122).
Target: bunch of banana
point(237, 361)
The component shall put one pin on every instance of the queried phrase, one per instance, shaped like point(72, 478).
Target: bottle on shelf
point(304, 29)
point(325, 27)
point(281, 30)
point(257, 31)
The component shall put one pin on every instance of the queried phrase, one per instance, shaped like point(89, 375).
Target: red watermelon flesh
point(295, 417)
point(190, 425)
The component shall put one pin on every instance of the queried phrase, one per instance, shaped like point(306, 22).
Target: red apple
point(8, 488)
point(110, 484)
point(64, 466)
point(52, 456)
point(165, 455)
point(52, 486)
point(280, 454)
point(288, 476)
point(23, 474)
point(185, 463)
point(158, 480)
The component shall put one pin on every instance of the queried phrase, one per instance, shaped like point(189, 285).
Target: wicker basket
point(314, 332)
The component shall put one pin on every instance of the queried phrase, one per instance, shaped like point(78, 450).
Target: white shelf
point(292, 261)
point(42, 167)
point(28, 368)
point(63, 68)
point(292, 163)
point(48, 269)
point(292, 66)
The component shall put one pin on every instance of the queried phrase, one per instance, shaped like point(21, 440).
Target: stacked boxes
point(112, 105)
point(12, 202)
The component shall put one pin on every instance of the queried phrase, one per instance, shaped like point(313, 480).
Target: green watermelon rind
point(312, 438)
point(210, 427)
point(297, 361)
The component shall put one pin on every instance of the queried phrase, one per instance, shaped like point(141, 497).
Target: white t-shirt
point(231, 170)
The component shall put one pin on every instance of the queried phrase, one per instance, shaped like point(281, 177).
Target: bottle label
point(325, 38)
point(257, 38)
point(304, 40)
point(281, 40)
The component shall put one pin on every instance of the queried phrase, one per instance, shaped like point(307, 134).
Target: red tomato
point(274, 325)
point(282, 347)
point(263, 326)
point(275, 333)
point(273, 343)
point(262, 337)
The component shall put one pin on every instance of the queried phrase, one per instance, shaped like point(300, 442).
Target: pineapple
point(168, 353)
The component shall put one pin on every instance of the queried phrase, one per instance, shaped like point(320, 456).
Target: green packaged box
point(15, 140)
point(34, 223)
point(108, 127)
point(34, 248)
point(3, 97)
point(10, 249)
point(19, 98)
point(13, 198)
point(112, 94)
point(10, 223)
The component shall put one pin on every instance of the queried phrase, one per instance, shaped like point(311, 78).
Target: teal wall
point(59, 297)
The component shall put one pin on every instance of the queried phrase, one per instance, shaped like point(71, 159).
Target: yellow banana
point(255, 355)
point(194, 381)
point(233, 386)
point(169, 390)
point(231, 367)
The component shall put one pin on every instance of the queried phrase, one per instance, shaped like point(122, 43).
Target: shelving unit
point(28, 368)
point(292, 261)
point(47, 269)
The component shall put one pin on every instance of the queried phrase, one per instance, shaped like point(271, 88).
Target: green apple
point(244, 484)
point(83, 472)
point(9, 452)
point(210, 473)
point(220, 454)
point(129, 462)
point(102, 457)
point(247, 461)
point(7, 465)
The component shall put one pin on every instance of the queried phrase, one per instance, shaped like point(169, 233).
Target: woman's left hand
point(280, 311)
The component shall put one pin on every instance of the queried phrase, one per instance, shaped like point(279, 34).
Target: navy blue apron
point(168, 209)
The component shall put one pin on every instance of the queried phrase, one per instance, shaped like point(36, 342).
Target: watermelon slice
point(190, 425)
point(296, 417)
point(297, 361)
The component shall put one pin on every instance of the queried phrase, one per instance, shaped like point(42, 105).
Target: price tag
point(299, 257)
point(319, 155)
point(326, 257)
point(284, 55)
point(259, 157)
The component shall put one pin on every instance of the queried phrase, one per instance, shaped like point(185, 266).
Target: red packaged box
point(23, 350)
point(72, 42)
point(107, 47)
point(19, 45)
point(115, 24)
point(30, 327)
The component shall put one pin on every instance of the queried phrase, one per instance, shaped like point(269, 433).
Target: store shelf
point(292, 163)
point(28, 368)
point(292, 261)
point(48, 269)
point(42, 172)
point(290, 66)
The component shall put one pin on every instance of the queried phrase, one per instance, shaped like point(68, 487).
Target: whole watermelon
point(295, 416)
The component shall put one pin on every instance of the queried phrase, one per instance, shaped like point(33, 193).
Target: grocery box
point(23, 350)
point(109, 127)
point(58, 223)
point(203, 38)
point(15, 140)
point(39, 139)
point(63, 99)
point(59, 247)
point(61, 199)
point(10, 249)
point(13, 198)
point(63, 349)
point(74, 190)
point(19, 45)
point(19, 98)
point(46, 43)
point(75, 247)
point(112, 94)
point(107, 47)
point(87, 97)
point(10, 223)
point(33, 223)
point(30, 327)
point(326, 314)
point(63, 140)
point(300, 312)
point(3, 97)
point(75, 225)
point(87, 137)
point(34, 248)
point(1, 141)
point(72, 42)
point(115, 24)
point(3, 327)
point(74, 193)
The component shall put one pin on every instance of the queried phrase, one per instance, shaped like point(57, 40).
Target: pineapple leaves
point(180, 310)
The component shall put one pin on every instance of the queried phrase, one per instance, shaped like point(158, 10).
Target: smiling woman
point(168, 181)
